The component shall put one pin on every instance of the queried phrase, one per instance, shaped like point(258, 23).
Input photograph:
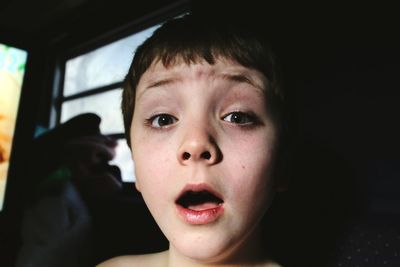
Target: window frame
point(134, 27)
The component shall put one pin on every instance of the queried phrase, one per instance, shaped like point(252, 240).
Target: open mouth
point(199, 200)
point(199, 204)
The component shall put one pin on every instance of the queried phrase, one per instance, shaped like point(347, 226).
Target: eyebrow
point(238, 78)
point(162, 82)
point(242, 78)
point(159, 83)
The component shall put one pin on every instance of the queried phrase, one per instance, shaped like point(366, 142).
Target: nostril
point(206, 155)
point(186, 156)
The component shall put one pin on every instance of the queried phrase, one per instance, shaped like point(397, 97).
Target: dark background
point(340, 64)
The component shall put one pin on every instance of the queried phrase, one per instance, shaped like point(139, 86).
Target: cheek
point(251, 165)
point(253, 153)
point(153, 157)
point(152, 163)
point(151, 176)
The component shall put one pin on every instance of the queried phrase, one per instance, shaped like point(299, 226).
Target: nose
point(198, 145)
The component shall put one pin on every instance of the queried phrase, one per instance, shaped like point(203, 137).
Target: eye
point(162, 120)
point(240, 118)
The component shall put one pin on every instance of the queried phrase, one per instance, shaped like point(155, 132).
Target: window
point(92, 83)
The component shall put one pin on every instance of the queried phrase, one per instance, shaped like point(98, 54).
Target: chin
point(204, 250)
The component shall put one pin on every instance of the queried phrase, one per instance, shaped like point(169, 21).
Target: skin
point(215, 130)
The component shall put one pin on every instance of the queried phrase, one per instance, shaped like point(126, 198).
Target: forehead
point(222, 70)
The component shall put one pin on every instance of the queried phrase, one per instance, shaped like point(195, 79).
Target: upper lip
point(198, 188)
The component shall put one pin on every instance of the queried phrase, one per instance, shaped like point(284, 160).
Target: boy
point(203, 116)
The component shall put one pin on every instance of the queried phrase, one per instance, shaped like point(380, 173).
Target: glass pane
point(106, 105)
point(103, 66)
point(123, 160)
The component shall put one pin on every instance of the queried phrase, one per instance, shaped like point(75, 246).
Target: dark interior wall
point(344, 75)
point(352, 107)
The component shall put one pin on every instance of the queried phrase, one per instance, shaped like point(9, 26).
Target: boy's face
point(204, 145)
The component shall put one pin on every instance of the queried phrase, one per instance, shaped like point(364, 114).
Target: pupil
point(164, 120)
point(237, 118)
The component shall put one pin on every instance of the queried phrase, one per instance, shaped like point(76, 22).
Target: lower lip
point(200, 216)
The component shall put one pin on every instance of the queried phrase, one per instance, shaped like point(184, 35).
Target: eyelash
point(152, 119)
point(250, 119)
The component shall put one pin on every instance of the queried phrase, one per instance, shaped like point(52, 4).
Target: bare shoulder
point(153, 259)
point(273, 264)
point(270, 264)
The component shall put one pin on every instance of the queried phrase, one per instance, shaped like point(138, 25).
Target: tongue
point(203, 206)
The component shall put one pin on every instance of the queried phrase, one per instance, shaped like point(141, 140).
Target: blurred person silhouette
point(70, 173)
